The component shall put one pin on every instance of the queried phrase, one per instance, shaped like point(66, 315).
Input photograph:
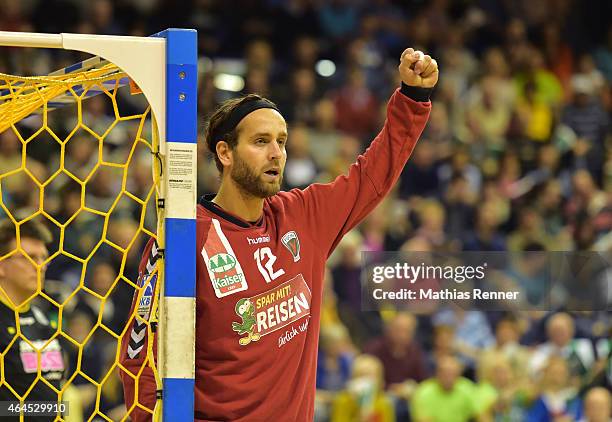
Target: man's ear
point(224, 152)
point(2, 270)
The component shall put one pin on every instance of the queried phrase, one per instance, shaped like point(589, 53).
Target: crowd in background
point(516, 157)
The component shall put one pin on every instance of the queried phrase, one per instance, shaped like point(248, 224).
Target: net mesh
point(89, 172)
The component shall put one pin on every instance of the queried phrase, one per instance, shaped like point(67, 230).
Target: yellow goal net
point(79, 154)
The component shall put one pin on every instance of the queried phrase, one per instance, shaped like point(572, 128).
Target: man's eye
point(260, 141)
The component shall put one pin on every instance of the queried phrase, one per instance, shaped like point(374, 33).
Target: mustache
point(273, 165)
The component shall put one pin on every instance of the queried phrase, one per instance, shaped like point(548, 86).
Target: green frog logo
point(246, 311)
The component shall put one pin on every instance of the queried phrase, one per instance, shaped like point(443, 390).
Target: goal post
point(177, 311)
point(164, 69)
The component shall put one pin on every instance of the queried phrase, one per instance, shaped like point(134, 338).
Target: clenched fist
point(418, 69)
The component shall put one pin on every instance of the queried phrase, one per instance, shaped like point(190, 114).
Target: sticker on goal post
point(181, 162)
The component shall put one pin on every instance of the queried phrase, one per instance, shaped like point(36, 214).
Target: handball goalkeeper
point(262, 252)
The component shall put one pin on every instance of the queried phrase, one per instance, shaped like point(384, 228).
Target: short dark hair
point(32, 229)
point(219, 116)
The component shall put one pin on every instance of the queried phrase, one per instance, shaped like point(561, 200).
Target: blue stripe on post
point(182, 84)
point(180, 259)
point(182, 101)
point(179, 392)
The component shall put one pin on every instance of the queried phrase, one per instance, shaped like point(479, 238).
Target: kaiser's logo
point(223, 267)
point(292, 243)
point(221, 263)
point(225, 274)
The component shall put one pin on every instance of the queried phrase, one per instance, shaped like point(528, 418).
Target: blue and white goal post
point(164, 67)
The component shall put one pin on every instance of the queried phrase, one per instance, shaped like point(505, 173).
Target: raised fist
point(418, 69)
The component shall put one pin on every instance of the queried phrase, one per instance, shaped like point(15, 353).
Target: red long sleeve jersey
point(259, 286)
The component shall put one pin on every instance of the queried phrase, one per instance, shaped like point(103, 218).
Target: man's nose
point(275, 151)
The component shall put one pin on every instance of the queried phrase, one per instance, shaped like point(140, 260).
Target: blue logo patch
point(144, 305)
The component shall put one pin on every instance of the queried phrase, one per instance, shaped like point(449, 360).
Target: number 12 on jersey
point(265, 263)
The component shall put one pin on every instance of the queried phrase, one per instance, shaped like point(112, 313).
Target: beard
point(250, 182)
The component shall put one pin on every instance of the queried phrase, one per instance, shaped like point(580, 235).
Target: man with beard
point(262, 252)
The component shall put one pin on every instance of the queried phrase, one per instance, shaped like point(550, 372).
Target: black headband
point(237, 115)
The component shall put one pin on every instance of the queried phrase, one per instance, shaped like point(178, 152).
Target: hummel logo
point(257, 240)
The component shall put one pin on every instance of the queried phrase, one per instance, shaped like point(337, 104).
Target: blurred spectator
point(298, 104)
point(399, 352)
point(587, 118)
point(443, 344)
point(346, 272)
point(110, 309)
point(546, 167)
point(348, 150)
point(364, 398)
point(439, 133)
point(366, 55)
point(578, 353)
point(529, 271)
point(334, 366)
point(558, 400)
point(354, 105)
point(373, 229)
point(335, 358)
point(549, 206)
point(257, 81)
point(305, 52)
point(488, 117)
point(587, 201)
point(300, 170)
point(496, 68)
point(462, 165)
point(587, 68)
point(597, 405)
point(507, 346)
point(402, 359)
point(472, 333)
point(323, 138)
point(486, 236)
point(546, 85)
point(535, 116)
point(445, 398)
point(499, 395)
point(260, 56)
point(459, 203)
point(530, 230)
point(420, 176)
point(509, 171)
point(79, 326)
point(432, 222)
